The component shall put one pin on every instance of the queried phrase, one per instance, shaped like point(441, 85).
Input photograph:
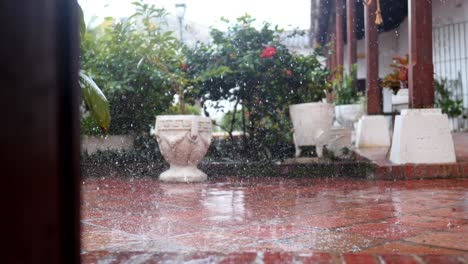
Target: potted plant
point(443, 100)
point(348, 101)
point(312, 116)
point(397, 81)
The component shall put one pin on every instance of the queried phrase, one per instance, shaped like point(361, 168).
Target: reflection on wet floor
point(271, 214)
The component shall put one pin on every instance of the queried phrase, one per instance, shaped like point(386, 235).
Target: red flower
point(288, 72)
point(183, 66)
point(268, 52)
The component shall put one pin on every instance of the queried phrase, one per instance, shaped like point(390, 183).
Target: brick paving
point(275, 220)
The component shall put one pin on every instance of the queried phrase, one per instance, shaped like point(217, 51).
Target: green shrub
point(452, 108)
point(343, 87)
point(252, 69)
point(138, 66)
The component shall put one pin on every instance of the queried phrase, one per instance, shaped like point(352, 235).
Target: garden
point(144, 71)
point(135, 69)
point(260, 147)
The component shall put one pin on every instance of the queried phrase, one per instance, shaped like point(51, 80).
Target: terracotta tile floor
point(311, 220)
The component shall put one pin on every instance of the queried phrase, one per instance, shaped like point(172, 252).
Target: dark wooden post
point(373, 92)
point(339, 33)
point(313, 21)
point(351, 31)
point(39, 138)
point(332, 39)
point(421, 68)
point(333, 56)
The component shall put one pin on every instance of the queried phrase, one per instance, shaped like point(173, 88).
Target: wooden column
point(421, 68)
point(39, 139)
point(332, 39)
point(351, 31)
point(313, 21)
point(333, 61)
point(339, 33)
point(373, 92)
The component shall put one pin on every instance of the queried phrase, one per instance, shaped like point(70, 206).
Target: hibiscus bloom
point(268, 52)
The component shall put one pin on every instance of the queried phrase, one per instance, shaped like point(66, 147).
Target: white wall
point(391, 44)
point(450, 42)
point(92, 144)
point(447, 12)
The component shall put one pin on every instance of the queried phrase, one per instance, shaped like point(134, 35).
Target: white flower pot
point(349, 114)
point(400, 100)
point(387, 94)
point(183, 141)
point(311, 122)
point(453, 123)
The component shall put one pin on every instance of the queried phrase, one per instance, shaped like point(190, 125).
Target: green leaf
point(96, 101)
point(82, 21)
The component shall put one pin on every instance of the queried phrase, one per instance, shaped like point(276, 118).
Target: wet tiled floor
point(302, 216)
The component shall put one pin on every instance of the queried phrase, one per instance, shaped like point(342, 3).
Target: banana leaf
point(96, 102)
point(82, 21)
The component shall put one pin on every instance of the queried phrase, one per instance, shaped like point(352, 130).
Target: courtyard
point(313, 219)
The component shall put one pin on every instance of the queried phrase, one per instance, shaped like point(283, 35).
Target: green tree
point(138, 65)
point(252, 69)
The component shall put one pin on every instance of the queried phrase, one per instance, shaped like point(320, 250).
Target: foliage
point(399, 77)
point(88, 125)
point(227, 119)
point(452, 108)
point(189, 110)
point(252, 69)
point(138, 65)
point(95, 101)
point(343, 87)
point(92, 95)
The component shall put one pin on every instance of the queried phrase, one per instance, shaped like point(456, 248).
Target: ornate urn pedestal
point(183, 141)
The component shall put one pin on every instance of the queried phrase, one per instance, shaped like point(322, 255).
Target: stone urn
point(183, 141)
point(347, 115)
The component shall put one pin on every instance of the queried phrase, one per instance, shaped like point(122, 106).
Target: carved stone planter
point(348, 114)
point(311, 122)
point(183, 141)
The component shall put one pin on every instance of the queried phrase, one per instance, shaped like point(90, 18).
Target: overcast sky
point(294, 13)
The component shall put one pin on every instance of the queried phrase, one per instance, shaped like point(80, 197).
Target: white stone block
point(422, 136)
point(372, 131)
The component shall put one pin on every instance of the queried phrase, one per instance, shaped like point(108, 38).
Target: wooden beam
point(373, 93)
point(331, 39)
point(351, 31)
point(313, 22)
point(333, 61)
point(421, 68)
point(339, 44)
point(39, 139)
